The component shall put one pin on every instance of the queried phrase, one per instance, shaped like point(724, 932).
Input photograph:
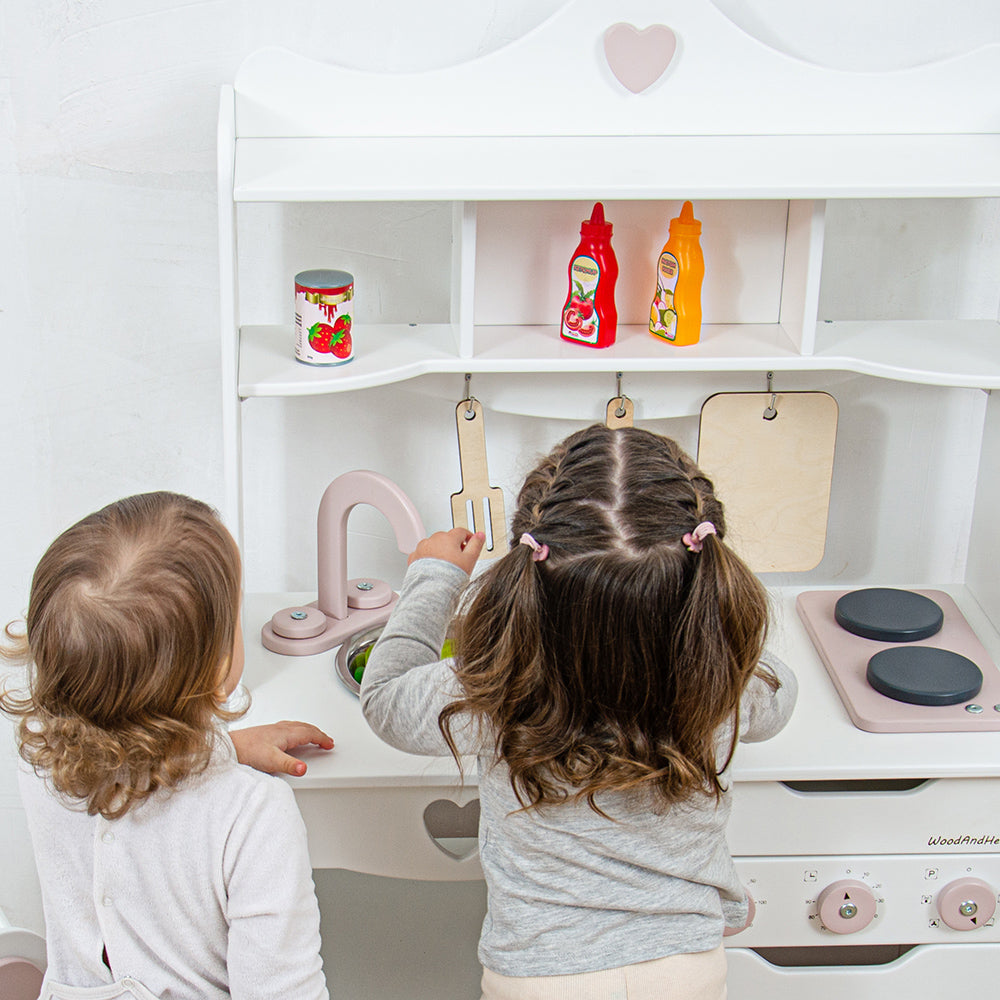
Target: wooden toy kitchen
point(861, 422)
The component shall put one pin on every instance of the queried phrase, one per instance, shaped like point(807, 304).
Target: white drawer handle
point(453, 828)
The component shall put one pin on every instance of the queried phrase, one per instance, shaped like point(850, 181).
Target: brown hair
point(132, 616)
point(612, 663)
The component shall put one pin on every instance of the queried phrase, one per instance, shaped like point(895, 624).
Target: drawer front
point(945, 815)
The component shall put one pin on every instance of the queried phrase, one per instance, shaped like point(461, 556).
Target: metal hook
point(470, 413)
point(620, 411)
point(770, 412)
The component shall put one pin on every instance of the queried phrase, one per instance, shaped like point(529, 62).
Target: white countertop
point(307, 688)
point(819, 743)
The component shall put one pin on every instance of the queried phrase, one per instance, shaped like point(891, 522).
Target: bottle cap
point(686, 224)
point(595, 227)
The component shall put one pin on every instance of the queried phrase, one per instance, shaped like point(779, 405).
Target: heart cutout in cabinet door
point(639, 58)
point(453, 828)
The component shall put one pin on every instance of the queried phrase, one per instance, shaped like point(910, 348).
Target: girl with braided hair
point(603, 672)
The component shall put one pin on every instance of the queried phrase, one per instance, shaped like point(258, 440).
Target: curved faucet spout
point(339, 499)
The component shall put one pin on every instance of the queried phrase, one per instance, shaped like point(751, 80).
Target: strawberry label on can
point(324, 305)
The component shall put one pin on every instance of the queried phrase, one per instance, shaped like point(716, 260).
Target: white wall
point(109, 357)
point(109, 373)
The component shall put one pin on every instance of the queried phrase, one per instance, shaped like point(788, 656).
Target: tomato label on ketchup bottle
point(579, 319)
point(324, 302)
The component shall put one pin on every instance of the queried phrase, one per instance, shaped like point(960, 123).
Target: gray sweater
point(568, 890)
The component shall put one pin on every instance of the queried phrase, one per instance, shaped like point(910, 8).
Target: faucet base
point(333, 633)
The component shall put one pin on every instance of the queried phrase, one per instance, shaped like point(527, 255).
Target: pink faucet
point(344, 606)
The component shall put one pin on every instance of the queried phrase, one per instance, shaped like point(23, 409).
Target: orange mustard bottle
point(675, 314)
point(589, 315)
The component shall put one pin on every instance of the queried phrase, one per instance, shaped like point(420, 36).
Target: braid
point(569, 501)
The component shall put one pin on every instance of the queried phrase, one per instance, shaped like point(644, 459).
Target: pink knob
point(368, 593)
point(299, 623)
point(846, 906)
point(730, 931)
point(967, 903)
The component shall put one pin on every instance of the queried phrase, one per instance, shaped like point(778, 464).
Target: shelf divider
point(463, 274)
point(800, 277)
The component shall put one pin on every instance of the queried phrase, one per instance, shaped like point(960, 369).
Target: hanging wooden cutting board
point(477, 498)
point(772, 475)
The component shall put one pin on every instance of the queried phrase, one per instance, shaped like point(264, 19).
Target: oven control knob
point(846, 906)
point(751, 913)
point(967, 903)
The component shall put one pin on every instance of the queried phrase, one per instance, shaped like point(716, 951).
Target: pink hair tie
point(694, 539)
point(538, 552)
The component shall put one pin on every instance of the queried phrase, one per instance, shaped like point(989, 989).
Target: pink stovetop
point(846, 657)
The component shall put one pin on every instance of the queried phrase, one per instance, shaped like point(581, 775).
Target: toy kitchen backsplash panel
point(850, 299)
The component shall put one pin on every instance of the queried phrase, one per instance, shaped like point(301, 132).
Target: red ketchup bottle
point(589, 315)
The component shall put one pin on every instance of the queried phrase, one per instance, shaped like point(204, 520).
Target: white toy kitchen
point(867, 832)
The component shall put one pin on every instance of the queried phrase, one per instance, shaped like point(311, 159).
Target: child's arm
point(266, 747)
point(764, 710)
point(406, 684)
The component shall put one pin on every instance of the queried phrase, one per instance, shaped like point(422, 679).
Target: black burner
point(924, 675)
point(889, 615)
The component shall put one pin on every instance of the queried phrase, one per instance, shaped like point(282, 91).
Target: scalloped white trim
point(556, 81)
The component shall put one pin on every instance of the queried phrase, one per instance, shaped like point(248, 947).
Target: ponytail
point(724, 624)
point(497, 641)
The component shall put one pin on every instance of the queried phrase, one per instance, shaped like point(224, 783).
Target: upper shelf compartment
point(547, 117)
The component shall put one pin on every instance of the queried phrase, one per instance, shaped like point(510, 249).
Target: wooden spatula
point(479, 506)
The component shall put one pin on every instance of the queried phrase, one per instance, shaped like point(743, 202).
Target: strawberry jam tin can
point(324, 304)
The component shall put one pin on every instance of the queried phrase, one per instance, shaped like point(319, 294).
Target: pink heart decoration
point(639, 58)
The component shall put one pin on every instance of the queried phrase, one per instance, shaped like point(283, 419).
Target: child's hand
point(265, 747)
point(459, 546)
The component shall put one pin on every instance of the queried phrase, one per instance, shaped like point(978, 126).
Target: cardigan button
point(108, 901)
point(108, 837)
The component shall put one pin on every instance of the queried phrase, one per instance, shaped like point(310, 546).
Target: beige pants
point(701, 976)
